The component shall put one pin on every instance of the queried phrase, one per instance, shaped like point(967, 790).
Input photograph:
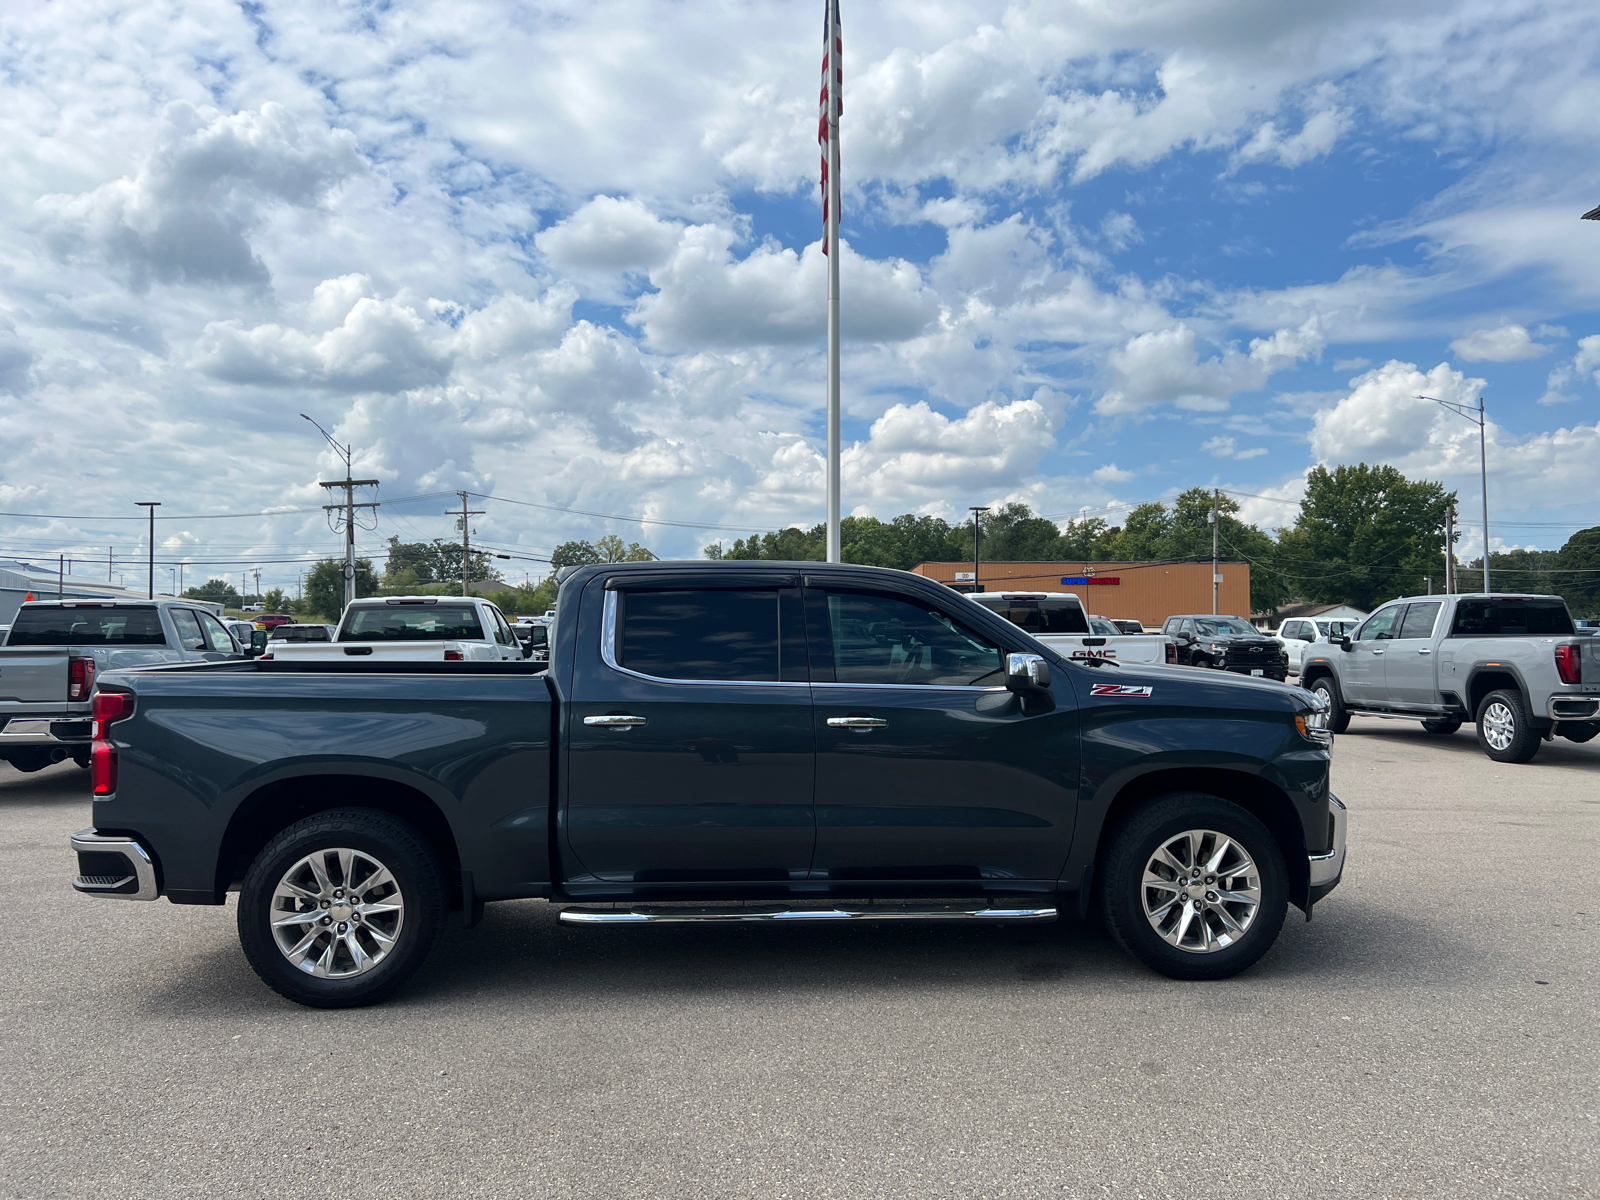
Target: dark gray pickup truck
point(741, 741)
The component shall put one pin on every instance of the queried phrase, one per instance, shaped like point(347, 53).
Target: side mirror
point(527, 648)
point(258, 643)
point(1344, 642)
point(1027, 673)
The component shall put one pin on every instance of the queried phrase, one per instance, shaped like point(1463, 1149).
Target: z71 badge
point(1121, 689)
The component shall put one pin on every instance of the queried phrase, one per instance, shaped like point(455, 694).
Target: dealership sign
point(1090, 580)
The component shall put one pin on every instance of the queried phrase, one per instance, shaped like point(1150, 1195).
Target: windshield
point(411, 623)
point(1103, 627)
point(1223, 627)
point(301, 633)
point(81, 626)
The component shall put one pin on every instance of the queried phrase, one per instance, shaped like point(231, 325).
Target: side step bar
point(640, 914)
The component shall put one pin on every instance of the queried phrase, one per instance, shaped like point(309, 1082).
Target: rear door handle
point(1425, 650)
point(1377, 651)
point(856, 722)
point(616, 721)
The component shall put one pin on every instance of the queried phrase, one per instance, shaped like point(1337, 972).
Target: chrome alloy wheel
point(337, 913)
point(1499, 725)
point(1200, 891)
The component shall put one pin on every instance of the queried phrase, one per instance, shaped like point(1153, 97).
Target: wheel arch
point(1260, 797)
point(276, 805)
point(1486, 679)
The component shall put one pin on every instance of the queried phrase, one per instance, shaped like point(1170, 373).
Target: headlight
point(1313, 725)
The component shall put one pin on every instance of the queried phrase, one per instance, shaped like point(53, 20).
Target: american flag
point(832, 55)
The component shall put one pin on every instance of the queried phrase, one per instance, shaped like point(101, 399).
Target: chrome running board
point(640, 914)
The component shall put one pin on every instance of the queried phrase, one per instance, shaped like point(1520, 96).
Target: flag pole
point(833, 49)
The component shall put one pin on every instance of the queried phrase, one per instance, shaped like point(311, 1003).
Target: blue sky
point(568, 255)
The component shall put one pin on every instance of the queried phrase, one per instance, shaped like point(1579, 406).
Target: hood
point(1184, 685)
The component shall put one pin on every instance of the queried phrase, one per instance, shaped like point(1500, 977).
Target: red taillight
point(80, 678)
point(1172, 653)
point(453, 656)
point(1569, 663)
point(109, 707)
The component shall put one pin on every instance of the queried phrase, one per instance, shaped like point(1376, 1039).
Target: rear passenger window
point(711, 634)
point(1419, 621)
point(189, 635)
point(882, 639)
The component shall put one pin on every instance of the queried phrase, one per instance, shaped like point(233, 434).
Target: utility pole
point(111, 562)
point(1216, 577)
point(152, 505)
point(464, 520)
point(61, 574)
point(1475, 414)
point(1450, 551)
point(349, 506)
point(977, 510)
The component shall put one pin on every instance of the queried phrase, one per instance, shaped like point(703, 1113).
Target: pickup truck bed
point(814, 742)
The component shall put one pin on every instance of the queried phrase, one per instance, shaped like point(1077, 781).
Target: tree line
point(1363, 535)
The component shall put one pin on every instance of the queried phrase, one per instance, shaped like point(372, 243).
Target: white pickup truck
point(412, 629)
point(1058, 619)
point(1298, 634)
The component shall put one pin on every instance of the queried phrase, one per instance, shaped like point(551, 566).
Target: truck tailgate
point(30, 677)
point(1129, 647)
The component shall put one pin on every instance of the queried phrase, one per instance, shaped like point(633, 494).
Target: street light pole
point(976, 510)
point(152, 505)
point(1475, 414)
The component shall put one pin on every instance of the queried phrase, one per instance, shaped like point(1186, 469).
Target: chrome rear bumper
point(102, 874)
point(1573, 708)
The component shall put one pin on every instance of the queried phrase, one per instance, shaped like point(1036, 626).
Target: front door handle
point(856, 722)
point(1377, 651)
point(1425, 650)
point(616, 721)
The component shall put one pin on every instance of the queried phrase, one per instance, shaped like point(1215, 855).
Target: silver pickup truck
point(55, 649)
point(1511, 664)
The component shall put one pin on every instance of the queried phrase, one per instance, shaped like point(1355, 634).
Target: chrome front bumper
point(115, 868)
point(1326, 868)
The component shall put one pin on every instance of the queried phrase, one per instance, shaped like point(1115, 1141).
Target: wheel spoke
point(1193, 925)
point(298, 934)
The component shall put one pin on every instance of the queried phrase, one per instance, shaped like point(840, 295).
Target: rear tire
point(1505, 733)
point(371, 890)
point(1184, 925)
point(1338, 715)
point(1443, 727)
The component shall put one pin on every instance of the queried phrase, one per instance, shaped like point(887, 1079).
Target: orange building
point(1146, 592)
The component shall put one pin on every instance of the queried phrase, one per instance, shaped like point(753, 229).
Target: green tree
point(273, 600)
point(573, 554)
point(325, 587)
point(1146, 536)
point(413, 565)
point(611, 549)
point(1579, 565)
point(216, 591)
point(1364, 535)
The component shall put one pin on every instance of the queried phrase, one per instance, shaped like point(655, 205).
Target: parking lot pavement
point(1431, 1033)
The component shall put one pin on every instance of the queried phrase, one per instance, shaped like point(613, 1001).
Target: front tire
point(1442, 727)
point(341, 908)
point(1338, 715)
point(1504, 731)
point(1195, 887)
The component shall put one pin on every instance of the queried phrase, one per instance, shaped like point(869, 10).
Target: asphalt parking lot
point(1431, 1033)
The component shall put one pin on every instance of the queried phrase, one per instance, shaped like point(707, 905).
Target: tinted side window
point(189, 635)
point(1187, 627)
point(1059, 617)
point(711, 634)
point(1419, 620)
point(1380, 626)
point(883, 639)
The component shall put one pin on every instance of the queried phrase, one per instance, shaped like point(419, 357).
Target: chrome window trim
point(608, 655)
point(918, 688)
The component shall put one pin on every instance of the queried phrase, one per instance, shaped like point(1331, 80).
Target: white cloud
point(1506, 343)
point(186, 216)
point(1165, 367)
point(1588, 356)
point(1227, 447)
point(1111, 473)
point(1382, 419)
point(707, 297)
point(1317, 136)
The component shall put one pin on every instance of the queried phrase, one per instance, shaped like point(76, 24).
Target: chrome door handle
point(615, 721)
point(1425, 650)
point(1377, 651)
point(856, 722)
